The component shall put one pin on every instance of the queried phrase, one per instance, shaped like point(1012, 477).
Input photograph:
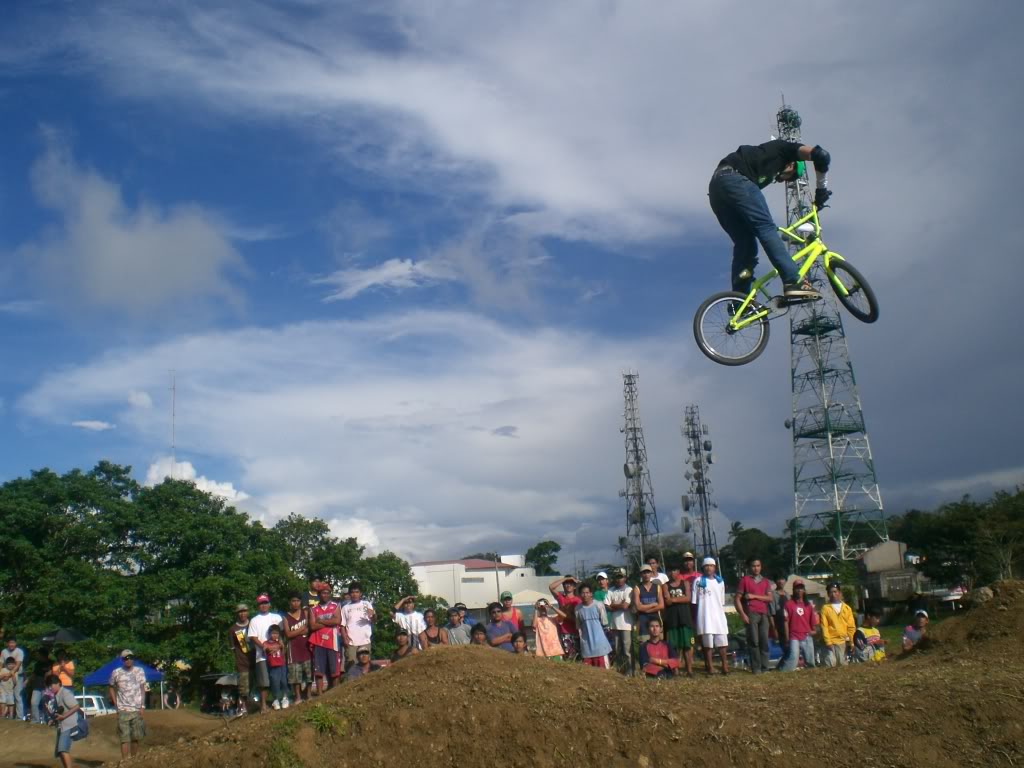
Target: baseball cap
point(798, 583)
point(126, 653)
point(921, 613)
point(688, 556)
point(708, 561)
point(602, 575)
point(460, 606)
point(620, 572)
point(263, 598)
point(453, 610)
point(363, 652)
point(646, 567)
point(506, 595)
point(241, 607)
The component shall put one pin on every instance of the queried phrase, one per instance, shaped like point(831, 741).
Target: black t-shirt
point(761, 164)
point(240, 648)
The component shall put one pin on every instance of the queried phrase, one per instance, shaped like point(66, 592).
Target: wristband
point(821, 180)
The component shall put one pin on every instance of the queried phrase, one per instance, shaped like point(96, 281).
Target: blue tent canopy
point(102, 675)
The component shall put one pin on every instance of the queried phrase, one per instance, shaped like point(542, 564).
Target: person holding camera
point(546, 618)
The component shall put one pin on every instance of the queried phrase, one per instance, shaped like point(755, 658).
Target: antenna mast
point(698, 472)
point(174, 419)
point(641, 516)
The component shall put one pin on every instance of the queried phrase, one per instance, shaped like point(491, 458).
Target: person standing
point(300, 658)
point(837, 627)
point(12, 651)
point(546, 643)
point(456, 628)
point(798, 632)
point(259, 634)
point(64, 668)
point(594, 646)
point(40, 670)
point(619, 602)
point(477, 635)
point(408, 618)
point(8, 678)
point(434, 634)
point(499, 631)
point(657, 657)
point(777, 610)
point(66, 709)
point(691, 574)
point(171, 699)
point(357, 617)
point(753, 596)
point(602, 588)
point(678, 625)
point(647, 601)
point(241, 651)
point(567, 601)
point(712, 626)
point(509, 612)
point(277, 668)
point(127, 692)
point(324, 619)
point(313, 595)
point(658, 575)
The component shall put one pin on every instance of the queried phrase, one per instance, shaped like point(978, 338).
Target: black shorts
point(325, 662)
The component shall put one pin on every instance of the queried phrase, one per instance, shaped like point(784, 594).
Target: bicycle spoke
point(723, 341)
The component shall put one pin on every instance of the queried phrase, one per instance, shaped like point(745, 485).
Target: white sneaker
point(285, 703)
point(276, 704)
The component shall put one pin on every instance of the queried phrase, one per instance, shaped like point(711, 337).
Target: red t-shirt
point(275, 655)
point(747, 584)
point(802, 619)
point(513, 617)
point(298, 647)
point(325, 637)
point(567, 627)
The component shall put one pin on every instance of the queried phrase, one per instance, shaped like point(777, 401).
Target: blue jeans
point(19, 697)
point(743, 213)
point(806, 646)
point(36, 707)
point(278, 683)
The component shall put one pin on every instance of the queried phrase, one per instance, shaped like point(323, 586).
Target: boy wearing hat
point(259, 633)
point(915, 632)
point(510, 613)
point(712, 626)
point(241, 650)
point(800, 623)
point(363, 666)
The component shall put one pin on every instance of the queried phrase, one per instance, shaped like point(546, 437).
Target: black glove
point(821, 159)
point(821, 196)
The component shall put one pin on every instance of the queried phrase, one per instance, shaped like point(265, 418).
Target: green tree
point(749, 543)
point(492, 556)
point(313, 553)
point(543, 556)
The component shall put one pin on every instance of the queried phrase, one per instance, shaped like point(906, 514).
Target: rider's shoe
point(800, 291)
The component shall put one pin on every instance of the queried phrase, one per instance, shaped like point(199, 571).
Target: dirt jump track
point(958, 702)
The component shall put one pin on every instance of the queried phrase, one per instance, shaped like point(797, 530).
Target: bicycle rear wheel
point(860, 300)
point(719, 342)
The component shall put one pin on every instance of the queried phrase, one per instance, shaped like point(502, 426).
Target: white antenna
point(174, 405)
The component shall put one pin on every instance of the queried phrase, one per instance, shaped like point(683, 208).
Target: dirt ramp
point(994, 627)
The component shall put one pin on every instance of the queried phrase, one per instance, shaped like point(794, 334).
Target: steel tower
point(642, 532)
point(698, 472)
point(838, 510)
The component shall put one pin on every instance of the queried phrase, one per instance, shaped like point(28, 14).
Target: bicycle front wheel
point(859, 299)
point(721, 343)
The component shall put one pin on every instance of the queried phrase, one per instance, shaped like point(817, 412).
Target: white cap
point(708, 561)
point(921, 613)
point(602, 575)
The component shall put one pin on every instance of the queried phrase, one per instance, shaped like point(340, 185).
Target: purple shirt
point(499, 629)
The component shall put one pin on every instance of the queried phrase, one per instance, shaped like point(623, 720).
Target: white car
point(95, 705)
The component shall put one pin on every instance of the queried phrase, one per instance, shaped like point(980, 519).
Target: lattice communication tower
point(642, 532)
point(838, 511)
point(698, 503)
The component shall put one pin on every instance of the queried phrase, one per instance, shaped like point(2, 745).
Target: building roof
point(474, 564)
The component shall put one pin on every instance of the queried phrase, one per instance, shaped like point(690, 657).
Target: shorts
point(262, 675)
point(352, 650)
point(681, 638)
point(6, 698)
point(601, 662)
point(63, 742)
point(325, 661)
point(130, 727)
point(300, 673)
point(243, 684)
point(715, 641)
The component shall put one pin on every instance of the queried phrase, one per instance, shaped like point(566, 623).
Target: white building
point(479, 582)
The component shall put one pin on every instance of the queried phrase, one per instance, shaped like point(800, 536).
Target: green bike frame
point(812, 250)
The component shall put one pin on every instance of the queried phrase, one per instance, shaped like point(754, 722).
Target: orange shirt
point(64, 672)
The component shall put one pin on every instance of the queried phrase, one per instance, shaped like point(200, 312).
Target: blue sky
point(400, 258)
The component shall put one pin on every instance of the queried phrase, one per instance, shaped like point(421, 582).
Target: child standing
point(709, 594)
point(8, 680)
point(276, 669)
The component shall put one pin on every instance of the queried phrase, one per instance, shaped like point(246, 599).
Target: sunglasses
point(129, 658)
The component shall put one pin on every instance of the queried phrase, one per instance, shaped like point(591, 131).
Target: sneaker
point(800, 291)
point(285, 703)
point(276, 704)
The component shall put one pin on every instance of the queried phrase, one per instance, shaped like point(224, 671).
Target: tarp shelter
point(102, 675)
point(814, 588)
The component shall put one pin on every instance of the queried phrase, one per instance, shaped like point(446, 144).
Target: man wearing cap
point(457, 629)
point(567, 600)
point(712, 626)
point(241, 650)
point(324, 619)
point(647, 601)
point(798, 631)
point(259, 633)
point(837, 627)
point(468, 620)
point(510, 613)
point(619, 602)
point(914, 633)
point(363, 666)
point(753, 597)
point(127, 692)
point(602, 588)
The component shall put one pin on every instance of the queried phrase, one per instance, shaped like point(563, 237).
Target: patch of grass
point(324, 719)
point(287, 727)
point(281, 755)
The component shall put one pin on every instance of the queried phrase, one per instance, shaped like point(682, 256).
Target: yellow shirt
point(836, 628)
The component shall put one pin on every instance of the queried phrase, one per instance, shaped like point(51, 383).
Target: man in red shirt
point(323, 624)
point(753, 596)
point(567, 601)
point(300, 660)
point(801, 620)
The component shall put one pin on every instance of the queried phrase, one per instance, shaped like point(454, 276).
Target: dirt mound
point(452, 705)
point(994, 627)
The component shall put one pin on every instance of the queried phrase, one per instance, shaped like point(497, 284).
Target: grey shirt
point(65, 701)
point(458, 635)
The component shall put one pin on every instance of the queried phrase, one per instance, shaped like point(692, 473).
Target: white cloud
point(92, 425)
point(108, 254)
point(166, 467)
point(19, 307)
point(140, 399)
point(397, 274)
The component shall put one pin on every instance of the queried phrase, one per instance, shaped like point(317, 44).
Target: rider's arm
point(821, 159)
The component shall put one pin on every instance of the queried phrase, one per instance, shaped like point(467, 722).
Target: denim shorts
point(63, 742)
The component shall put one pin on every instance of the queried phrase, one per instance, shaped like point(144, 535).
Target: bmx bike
point(732, 327)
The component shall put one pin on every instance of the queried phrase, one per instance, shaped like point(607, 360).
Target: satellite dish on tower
point(686, 503)
point(628, 471)
point(686, 524)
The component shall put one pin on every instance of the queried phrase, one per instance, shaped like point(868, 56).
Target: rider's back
point(763, 162)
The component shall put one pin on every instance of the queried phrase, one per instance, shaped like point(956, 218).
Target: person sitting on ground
point(478, 635)
point(868, 643)
point(798, 632)
point(456, 629)
point(363, 665)
point(837, 627)
point(712, 626)
point(499, 631)
point(277, 670)
point(405, 647)
point(916, 631)
point(594, 645)
point(546, 642)
point(8, 683)
point(408, 618)
point(657, 657)
point(678, 625)
point(519, 643)
point(435, 635)
point(65, 716)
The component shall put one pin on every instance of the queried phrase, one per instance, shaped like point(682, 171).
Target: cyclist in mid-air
point(736, 199)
